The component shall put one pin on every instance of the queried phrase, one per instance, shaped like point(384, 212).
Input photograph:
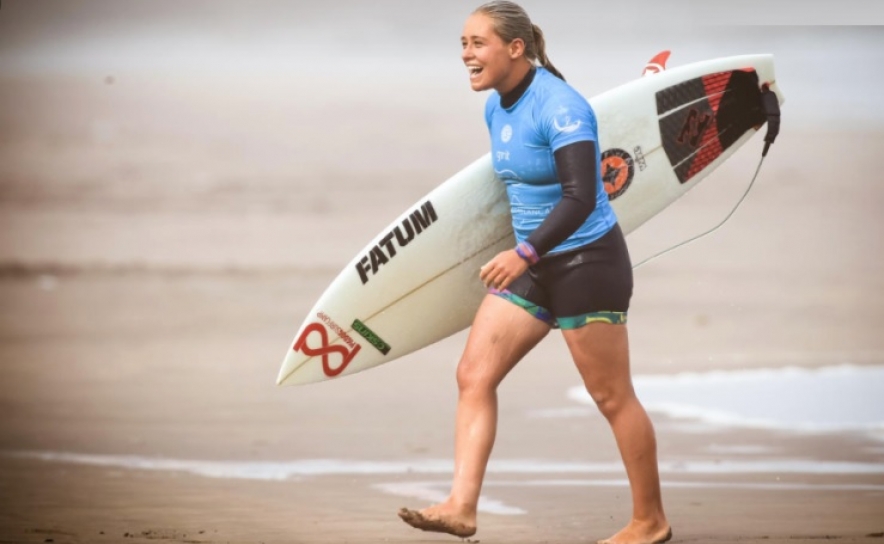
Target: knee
point(471, 380)
point(610, 401)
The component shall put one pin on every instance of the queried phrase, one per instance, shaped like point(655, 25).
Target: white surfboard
point(417, 281)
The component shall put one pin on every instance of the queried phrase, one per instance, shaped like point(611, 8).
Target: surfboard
point(416, 282)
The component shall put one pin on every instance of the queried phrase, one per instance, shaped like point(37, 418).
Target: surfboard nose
point(289, 366)
point(284, 373)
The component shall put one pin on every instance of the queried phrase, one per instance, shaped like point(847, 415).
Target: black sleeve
point(577, 170)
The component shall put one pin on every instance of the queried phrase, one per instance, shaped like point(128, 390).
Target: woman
point(569, 270)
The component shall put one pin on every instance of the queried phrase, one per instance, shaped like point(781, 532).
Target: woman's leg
point(601, 353)
point(502, 333)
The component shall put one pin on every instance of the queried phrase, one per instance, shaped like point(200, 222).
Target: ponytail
point(511, 22)
point(540, 48)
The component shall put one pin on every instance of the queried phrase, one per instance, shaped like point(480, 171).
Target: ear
point(516, 48)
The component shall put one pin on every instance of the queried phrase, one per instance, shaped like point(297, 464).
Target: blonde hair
point(512, 22)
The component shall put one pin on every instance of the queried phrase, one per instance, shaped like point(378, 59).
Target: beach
point(179, 183)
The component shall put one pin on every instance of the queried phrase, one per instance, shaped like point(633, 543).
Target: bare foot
point(635, 533)
point(434, 519)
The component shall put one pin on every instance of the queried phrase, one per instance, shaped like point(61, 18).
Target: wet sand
point(176, 360)
point(162, 237)
point(181, 366)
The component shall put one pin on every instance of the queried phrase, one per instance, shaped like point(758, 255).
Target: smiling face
point(492, 63)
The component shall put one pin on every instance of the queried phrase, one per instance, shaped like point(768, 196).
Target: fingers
point(494, 276)
point(488, 275)
point(504, 283)
point(502, 270)
point(488, 272)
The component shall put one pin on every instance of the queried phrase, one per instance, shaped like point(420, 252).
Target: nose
point(466, 53)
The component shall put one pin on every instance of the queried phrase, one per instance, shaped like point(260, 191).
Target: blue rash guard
point(548, 116)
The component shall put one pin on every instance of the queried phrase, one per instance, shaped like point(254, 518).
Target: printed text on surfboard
point(401, 235)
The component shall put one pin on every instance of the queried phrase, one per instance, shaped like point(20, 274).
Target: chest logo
point(506, 134)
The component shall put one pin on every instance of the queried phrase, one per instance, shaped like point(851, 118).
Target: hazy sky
point(828, 73)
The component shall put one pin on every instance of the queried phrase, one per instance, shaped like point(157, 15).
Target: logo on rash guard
point(506, 134)
point(568, 126)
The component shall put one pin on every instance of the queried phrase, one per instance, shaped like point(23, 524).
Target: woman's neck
point(510, 97)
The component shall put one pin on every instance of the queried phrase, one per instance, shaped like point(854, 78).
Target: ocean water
point(302, 468)
point(766, 473)
point(831, 75)
point(842, 398)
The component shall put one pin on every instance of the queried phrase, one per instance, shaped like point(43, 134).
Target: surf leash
point(771, 106)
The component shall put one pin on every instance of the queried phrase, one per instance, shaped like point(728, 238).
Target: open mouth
point(475, 71)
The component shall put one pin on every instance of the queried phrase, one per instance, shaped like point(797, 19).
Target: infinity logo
point(325, 349)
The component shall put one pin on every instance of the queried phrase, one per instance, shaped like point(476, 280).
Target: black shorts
point(578, 286)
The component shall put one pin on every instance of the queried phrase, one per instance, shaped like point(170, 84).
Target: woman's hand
point(500, 271)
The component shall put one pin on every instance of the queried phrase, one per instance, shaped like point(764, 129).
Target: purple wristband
point(527, 252)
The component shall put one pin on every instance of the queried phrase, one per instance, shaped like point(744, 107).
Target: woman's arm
point(577, 171)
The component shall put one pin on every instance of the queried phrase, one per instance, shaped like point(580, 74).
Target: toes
point(660, 540)
point(410, 516)
point(436, 524)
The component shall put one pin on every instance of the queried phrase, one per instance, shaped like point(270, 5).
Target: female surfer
point(569, 270)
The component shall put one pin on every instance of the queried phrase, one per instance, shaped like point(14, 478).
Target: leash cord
point(713, 229)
